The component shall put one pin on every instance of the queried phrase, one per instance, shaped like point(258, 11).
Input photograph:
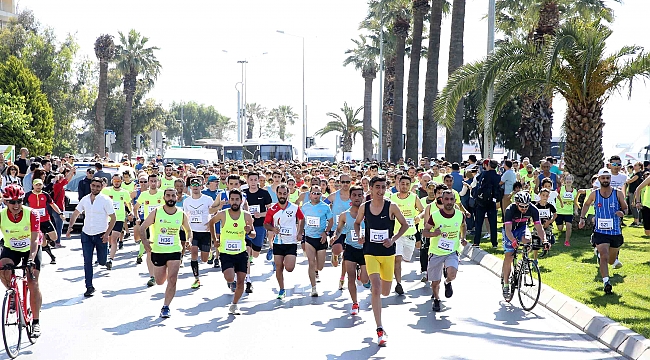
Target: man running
point(165, 248)
point(139, 214)
point(259, 200)
point(120, 198)
point(20, 227)
point(39, 200)
point(318, 223)
point(197, 207)
point(149, 200)
point(167, 181)
point(286, 221)
point(235, 225)
point(340, 201)
point(607, 238)
point(446, 240)
point(379, 216)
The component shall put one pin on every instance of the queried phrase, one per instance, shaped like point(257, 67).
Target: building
point(7, 11)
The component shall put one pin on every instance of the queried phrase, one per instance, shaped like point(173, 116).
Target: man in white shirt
point(98, 209)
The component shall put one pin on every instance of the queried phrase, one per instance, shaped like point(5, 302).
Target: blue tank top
point(274, 196)
point(224, 200)
point(339, 206)
point(348, 230)
point(607, 222)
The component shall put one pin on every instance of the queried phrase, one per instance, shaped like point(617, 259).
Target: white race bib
point(233, 245)
point(312, 221)
point(40, 212)
point(545, 213)
point(19, 243)
point(286, 231)
point(353, 235)
point(165, 240)
point(378, 236)
point(152, 208)
point(446, 245)
point(605, 224)
point(195, 219)
point(254, 208)
point(116, 205)
point(410, 222)
point(567, 196)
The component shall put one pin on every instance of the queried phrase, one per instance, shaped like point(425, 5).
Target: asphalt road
point(122, 320)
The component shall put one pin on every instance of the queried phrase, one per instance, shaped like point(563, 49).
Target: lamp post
point(488, 142)
point(304, 116)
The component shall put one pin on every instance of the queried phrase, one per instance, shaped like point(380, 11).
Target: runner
point(165, 249)
point(607, 238)
point(235, 225)
point(340, 201)
point(120, 198)
point(564, 204)
point(379, 216)
point(318, 223)
point(286, 221)
point(447, 238)
point(20, 227)
point(642, 202)
point(149, 200)
point(39, 200)
point(143, 186)
point(179, 186)
point(197, 207)
point(167, 181)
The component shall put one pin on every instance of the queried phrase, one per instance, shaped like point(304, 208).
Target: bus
point(263, 149)
point(227, 150)
point(321, 153)
point(194, 155)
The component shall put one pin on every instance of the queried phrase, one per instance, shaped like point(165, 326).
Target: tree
point(199, 121)
point(14, 123)
point(429, 125)
point(420, 8)
point(105, 52)
point(134, 58)
point(400, 29)
point(364, 56)
point(348, 125)
point(17, 80)
point(255, 114)
point(454, 138)
point(281, 116)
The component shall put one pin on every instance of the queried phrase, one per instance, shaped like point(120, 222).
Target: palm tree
point(134, 58)
point(282, 115)
point(255, 113)
point(364, 56)
point(105, 52)
point(420, 8)
point(454, 138)
point(429, 125)
point(400, 29)
point(348, 125)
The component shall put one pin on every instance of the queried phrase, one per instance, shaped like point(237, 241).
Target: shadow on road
point(208, 305)
point(368, 352)
point(214, 325)
point(142, 324)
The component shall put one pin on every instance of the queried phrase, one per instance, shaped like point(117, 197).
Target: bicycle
point(526, 278)
point(17, 314)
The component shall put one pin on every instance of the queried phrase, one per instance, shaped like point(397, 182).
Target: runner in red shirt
point(38, 201)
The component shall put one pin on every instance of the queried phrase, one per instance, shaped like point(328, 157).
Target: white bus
point(263, 149)
point(321, 153)
point(227, 150)
point(195, 155)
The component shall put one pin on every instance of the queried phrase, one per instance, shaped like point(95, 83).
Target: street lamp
point(304, 117)
point(488, 143)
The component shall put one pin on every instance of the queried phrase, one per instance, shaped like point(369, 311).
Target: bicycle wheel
point(514, 276)
point(11, 328)
point(29, 318)
point(530, 285)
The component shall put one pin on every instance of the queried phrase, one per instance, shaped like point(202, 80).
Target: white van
point(195, 155)
point(321, 153)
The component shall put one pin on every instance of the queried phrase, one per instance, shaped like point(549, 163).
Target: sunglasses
point(142, 182)
point(522, 206)
point(14, 202)
point(615, 164)
point(317, 194)
point(345, 182)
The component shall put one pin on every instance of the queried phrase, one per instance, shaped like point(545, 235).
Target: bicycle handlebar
point(25, 267)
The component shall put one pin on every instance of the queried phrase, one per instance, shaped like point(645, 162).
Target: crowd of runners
point(371, 216)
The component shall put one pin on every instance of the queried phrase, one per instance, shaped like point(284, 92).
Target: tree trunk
point(420, 7)
point(367, 116)
point(388, 105)
point(397, 148)
point(584, 142)
point(129, 91)
point(250, 125)
point(454, 143)
point(429, 124)
point(535, 129)
point(347, 142)
point(100, 108)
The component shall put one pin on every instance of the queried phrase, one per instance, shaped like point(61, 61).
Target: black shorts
point(354, 255)
point(614, 241)
point(239, 262)
point(645, 215)
point(46, 227)
point(285, 249)
point(561, 219)
point(160, 259)
point(119, 225)
point(253, 246)
point(19, 257)
point(315, 242)
point(340, 240)
point(182, 235)
point(202, 240)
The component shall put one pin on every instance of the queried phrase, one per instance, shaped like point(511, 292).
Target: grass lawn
point(574, 272)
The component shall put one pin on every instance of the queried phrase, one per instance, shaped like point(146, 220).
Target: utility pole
point(488, 142)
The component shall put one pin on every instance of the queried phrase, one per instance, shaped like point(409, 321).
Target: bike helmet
point(13, 192)
point(522, 197)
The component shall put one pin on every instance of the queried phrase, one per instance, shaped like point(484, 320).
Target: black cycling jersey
point(517, 219)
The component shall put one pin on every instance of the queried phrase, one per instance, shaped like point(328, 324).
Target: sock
point(248, 278)
point(35, 321)
point(342, 278)
point(446, 282)
point(316, 272)
point(605, 279)
point(195, 268)
point(141, 251)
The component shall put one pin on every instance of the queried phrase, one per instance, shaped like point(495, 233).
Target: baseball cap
point(37, 181)
point(195, 182)
point(212, 178)
point(604, 172)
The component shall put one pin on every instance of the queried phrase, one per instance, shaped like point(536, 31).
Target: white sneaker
point(314, 293)
point(233, 310)
point(617, 264)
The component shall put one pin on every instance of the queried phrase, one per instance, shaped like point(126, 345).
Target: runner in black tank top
point(383, 222)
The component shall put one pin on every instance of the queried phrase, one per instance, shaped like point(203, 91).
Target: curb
point(612, 334)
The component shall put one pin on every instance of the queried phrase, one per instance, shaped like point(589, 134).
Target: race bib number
point(141, 211)
point(195, 219)
point(410, 222)
point(286, 231)
point(545, 213)
point(116, 205)
point(152, 208)
point(165, 240)
point(312, 221)
point(19, 243)
point(354, 236)
point(233, 245)
point(40, 212)
point(378, 236)
point(605, 224)
point(567, 196)
point(446, 245)
point(254, 208)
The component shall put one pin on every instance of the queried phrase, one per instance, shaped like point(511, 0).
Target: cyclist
point(20, 226)
point(515, 230)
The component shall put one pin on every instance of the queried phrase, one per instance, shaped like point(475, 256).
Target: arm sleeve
point(268, 219)
point(300, 215)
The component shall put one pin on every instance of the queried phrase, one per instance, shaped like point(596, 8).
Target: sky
point(201, 41)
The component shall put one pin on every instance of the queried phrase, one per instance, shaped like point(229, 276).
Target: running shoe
point(425, 278)
point(120, 245)
point(216, 263)
point(109, 265)
point(617, 264)
point(355, 309)
point(367, 285)
point(398, 289)
point(314, 293)
point(381, 337)
point(165, 312)
point(317, 277)
point(89, 292)
point(341, 282)
point(449, 292)
point(210, 258)
point(127, 234)
point(53, 261)
point(233, 286)
point(138, 260)
point(233, 310)
point(269, 254)
point(608, 288)
point(36, 330)
point(250, 259)
point(151, 282)
point(566, 243)
point(281, 294)
point(506, 291)
point(196, 284)
point(436, 305)
point(249, 287)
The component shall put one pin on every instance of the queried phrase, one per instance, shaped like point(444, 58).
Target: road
point(122, 320)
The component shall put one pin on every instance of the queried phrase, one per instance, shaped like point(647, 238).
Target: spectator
point(508, 179)
point(3, 165)
point(487, 194)
point(100, 173)
point(140, 163)
point(83, 188)
point(11, 177)
point(23, 163)
point(58, 196)
point(458, 178)
point(29, 178)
